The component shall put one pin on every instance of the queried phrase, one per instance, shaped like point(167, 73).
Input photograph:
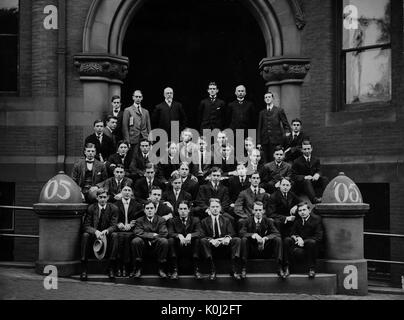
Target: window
point(365, 51)
point(8, 45)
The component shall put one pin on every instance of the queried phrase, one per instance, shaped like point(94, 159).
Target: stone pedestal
point(60, 212)
point(342, 212)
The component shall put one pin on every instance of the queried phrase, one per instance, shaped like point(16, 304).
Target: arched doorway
point(186, 44)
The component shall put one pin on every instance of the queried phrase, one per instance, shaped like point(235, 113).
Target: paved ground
point(17, 284)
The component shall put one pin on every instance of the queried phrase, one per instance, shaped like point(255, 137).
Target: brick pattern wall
point(25, 68)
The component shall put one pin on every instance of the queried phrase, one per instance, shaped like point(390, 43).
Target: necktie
point(242, 181)
point(255, 192)
point(184, 220)
point(216, 233)
point(99, 138)
point(90, 161)
point(285, 195)
point(258, 227)
point(216, 183)
point(303, 222)
point(138, 111)
point(126, 205)
point(176, 195)
point(149, 185)
point(102, 212)
point(151, 220)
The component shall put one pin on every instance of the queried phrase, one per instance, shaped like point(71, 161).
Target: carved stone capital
point(282, 70)
point(101, 67)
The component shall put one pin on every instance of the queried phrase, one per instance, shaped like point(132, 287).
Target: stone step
point(322, 284)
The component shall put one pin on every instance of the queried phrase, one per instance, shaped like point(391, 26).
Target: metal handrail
point(393, 235)
point(17, 208)
point(12, 235)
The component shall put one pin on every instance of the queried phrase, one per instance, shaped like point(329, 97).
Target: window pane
point(368, 76)
point(9, 17)
point(8, 63)
point(365, 23)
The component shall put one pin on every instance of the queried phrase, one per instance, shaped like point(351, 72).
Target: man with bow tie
point(211, 110)
point(293, 142)
point(272, 126)
point(150, 235)
point(273, 172)
point(136, 122)
point(184, 232)
point(88, 172)
point(103, 144)
point(259, 239)
point(306, 236)
point(306, 173)
point(114, 185)
point(99, 221)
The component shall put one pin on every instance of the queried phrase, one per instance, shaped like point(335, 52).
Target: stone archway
point(102, 67)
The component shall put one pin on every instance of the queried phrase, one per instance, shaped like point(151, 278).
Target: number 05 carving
point(350, 192)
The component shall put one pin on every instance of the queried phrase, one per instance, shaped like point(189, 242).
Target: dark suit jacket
point(110, 135)
point(141, 189)
point(113, 188)
point(199, 169)
point(295, 146)
point(106, 148)
point(144, 229)
point(170, 197)
point(245, 202)
point(279, 207)
point(206, 192)
point(267, 228)
point(163, 209)
point(235, 187)
point(118, 130)
point(137, 167)
point(141, 124)
point(272, 173)
point(135, 211)
point(163, 115)
point(301, 168)
point(191, 186)
point(176, 227)
point(271, 126)
point(259, 168)
point(240, 116)
point(116, 159)
point(165, 170)
point(212, 115)
point(312, 228)
point(79, 171)
point(226, 228)
point(108, 220)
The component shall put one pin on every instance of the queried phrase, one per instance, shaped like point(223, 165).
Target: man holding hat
point(99, 224)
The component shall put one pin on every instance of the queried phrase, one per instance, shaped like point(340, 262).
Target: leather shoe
point(124, 274)
point(235, 275)
point(83, 276)
point(280, 273)
point(162, 274)
point(243, 274)
point(119, 273)
point(286, 272)
point(312, 273)
point(198, 275)
point(174, 275)
point(212, 275)
point(136, 273)
point(111, 274)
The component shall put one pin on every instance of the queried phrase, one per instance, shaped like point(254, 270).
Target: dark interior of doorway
point(186, 44)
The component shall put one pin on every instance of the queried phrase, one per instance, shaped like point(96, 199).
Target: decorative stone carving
point(281, 70)
point(298, 12)
point(101, 67)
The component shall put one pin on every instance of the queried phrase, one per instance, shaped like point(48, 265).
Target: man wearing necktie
point(129, 210)
point(115, 184)
point(259, 239)
point(272, 126)
point(184, 232)
point(306, 173)
point(100, 221)
point(211, 110)
point(305, 239)
point(237, 184)
point(293, 143)
point(151, 235)
point(273, 172)
point(218, 239)
point(104, 145)
point(175, 195)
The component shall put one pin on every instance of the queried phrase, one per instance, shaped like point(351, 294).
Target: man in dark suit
point(122, 157)
point(202, 161)
point(140, 159)
point(88, 172)
point(136, 122)
point(272, 124)
point(110, 128)
point(114, 185)
point(213, 189)
point(274, 171)
point(99, 221)
point(306, 173)
point(151, 235)
point(259, 239)
point(238, 183)
point(243, 208)
point(162, 210)
point(293, 142)
point(129, 210)
point(283, 206)
point(167, 112)
point(103, 144)
point(117, 112)
point(305, 238)
point(211, 110)
point(144, 184)
point(189, 182)
point(218, 239)
point(241, 112)
point(175, 194)
point(255, 163)
point(184, 232)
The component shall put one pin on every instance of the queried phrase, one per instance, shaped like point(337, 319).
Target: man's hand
point(128, 227)
point(104, 232)
point(182, 239)
point(188, 238)
point(194, 178)
point(155, 235)
point(231, 205)
point(308, 177)
point(299, 242)
point(168, 204)
point(226, 241)
point(98, 234)
point(262, 190)
point(208, 211)
point(290, 218)
point(121, 226)
point(118, 196)
point(215, 242)
point(316, 176)
point(287, 134)
point(293, 210)
point(278, 184)
point(168, 216)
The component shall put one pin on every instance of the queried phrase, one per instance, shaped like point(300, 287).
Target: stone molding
point(283, 70)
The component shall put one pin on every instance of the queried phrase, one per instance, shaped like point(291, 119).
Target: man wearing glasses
point(136, 121)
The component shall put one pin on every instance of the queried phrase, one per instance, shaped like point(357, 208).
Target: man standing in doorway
point(240, 112)
point(212, 110)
